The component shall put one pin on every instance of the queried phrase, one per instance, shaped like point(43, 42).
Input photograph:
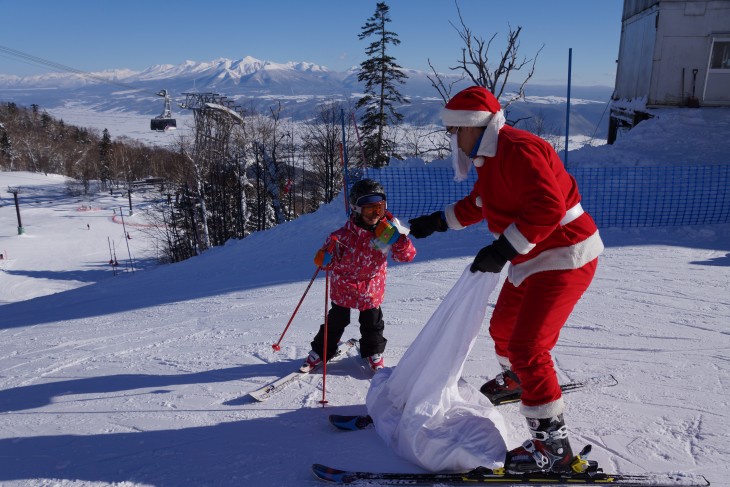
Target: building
point(672, 53)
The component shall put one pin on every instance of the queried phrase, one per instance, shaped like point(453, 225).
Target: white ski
point(272, 388)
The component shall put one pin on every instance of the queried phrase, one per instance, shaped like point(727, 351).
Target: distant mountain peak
point(301, 87)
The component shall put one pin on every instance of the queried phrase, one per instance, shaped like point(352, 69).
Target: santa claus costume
point(532, 206)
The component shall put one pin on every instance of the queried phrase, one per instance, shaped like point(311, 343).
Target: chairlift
point(164, 121)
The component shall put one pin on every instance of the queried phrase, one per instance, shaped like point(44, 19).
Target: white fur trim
point(518, 241)
point(465, 118)
point(549, 410)
point(572, 214)
point(488, 146)
point(459, 160)
point(560, 258)
point(451, 221)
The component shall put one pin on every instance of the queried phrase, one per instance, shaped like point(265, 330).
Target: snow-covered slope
point(140, 379)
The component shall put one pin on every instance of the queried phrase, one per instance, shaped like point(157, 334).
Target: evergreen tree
point(381, 75)
point(6, 150)
point(105, 147)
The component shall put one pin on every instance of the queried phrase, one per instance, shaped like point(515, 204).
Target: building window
point(720, 55)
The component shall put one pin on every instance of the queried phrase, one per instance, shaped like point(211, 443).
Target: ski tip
point(318, 467)
point(702, 478)
point(343, 422)
point(332, 475)
point(350, 423)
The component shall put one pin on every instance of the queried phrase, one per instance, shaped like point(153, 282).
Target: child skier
point(356, 255)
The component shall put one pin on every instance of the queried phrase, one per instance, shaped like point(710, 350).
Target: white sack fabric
point(422, 408)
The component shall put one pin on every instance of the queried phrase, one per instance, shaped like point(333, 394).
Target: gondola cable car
point(164, 121)
point(160, 123)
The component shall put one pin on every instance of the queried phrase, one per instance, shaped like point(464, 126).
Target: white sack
point(422, 408)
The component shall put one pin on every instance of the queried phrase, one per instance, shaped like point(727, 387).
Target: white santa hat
point(476, 107)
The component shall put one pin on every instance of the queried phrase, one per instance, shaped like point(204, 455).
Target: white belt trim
point(572, 214)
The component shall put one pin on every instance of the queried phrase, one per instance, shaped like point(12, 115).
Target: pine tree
point(6, 150)
point(381, 75)
point(104, 170)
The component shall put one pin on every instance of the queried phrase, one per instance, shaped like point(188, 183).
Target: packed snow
point(138, 374)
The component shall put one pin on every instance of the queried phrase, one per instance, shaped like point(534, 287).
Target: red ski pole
point(276, 346)
point(324, 350)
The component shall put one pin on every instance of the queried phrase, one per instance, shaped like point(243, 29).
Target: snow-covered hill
point(140, 379)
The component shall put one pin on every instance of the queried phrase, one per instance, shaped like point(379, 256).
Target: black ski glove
point(493, 257)
point(425, 225)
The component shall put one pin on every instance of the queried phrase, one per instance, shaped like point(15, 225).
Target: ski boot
point(548, 450)
point(376, 362)
point(505, 387)
point(313, 360)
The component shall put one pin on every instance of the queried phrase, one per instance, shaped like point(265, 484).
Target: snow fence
point(641, 196)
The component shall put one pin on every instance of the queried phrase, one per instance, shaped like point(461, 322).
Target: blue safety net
point(640, 196)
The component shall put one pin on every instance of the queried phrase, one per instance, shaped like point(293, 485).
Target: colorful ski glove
point(493, 257)
point(323, 257)
point(387, 232)
point(425, 225)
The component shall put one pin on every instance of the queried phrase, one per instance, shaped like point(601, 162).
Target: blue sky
point(96, 35)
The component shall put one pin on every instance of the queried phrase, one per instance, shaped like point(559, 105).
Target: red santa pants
point(526, 324)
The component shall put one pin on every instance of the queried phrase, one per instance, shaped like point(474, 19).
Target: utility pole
point(126, 239)
point(567, 113)
point(15, 192)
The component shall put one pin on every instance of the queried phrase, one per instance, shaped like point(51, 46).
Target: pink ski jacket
point(358, 269)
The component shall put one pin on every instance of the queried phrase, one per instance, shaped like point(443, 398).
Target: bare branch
point(474, 61)
point(437, 82)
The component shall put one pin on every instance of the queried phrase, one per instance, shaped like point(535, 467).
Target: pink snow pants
point(526, 324)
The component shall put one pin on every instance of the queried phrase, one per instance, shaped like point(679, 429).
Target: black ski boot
point(548, 450)
point(505, 387)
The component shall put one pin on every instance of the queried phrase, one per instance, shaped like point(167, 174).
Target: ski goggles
point(369, 198)
point(372, 210)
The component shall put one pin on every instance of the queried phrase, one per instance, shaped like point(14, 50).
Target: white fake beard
point(459, 160)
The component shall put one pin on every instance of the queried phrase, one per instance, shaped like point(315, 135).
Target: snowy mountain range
point(299, 86)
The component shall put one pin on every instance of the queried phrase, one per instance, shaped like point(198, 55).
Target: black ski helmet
point(366, 191)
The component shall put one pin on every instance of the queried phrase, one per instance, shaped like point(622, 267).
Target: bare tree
point(474, 63)
point(425, 143)
point(263, 140)
point(322, 145)
point(539, 126)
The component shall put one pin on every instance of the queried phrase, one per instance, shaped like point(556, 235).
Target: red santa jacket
point(525, 193)
point(358, 268)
